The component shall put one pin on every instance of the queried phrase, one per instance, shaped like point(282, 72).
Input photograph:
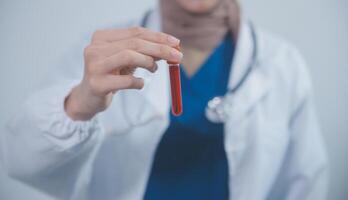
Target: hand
point(110, 61)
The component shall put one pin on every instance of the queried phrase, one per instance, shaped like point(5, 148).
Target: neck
point(194, 59)
point(200, 31)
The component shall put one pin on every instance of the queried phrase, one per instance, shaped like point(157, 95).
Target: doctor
point(248, 131)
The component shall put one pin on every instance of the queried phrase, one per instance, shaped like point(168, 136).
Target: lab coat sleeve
point(41, 146)
point(44, 148)
point(304, 173)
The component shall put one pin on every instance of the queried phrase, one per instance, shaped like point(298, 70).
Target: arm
point(308, 165)
point(304, 173)
point(53, 138)
point(305, 170)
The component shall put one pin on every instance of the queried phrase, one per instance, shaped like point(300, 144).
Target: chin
point(197, 6)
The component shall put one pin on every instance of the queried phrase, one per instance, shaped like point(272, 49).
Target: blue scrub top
point(190, 161)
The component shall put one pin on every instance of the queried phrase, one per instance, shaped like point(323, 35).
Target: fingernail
point(172, 40)
point(155, 67)
point(140, 83)
point(176, 55)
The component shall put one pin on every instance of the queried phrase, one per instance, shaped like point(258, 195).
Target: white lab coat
point(272, 139)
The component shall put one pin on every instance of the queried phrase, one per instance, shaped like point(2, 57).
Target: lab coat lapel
point(247, 97)
point(255, 85)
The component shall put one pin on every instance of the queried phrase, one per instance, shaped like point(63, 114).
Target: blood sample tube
point(175, 86)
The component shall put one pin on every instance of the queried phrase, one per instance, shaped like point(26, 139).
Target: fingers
point(113, 55)
point(155, 50)
point(160, 38)
point(128, 58)
point(103, 85)
point(112, 35)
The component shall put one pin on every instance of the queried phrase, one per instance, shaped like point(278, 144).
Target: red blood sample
point(175, 86)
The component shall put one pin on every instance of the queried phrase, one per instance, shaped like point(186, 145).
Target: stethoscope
point(219, 109)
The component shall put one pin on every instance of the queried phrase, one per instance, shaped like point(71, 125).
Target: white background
point(35, 33)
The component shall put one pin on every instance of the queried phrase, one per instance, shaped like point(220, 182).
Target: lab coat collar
point(256, 85)
point(243, 54)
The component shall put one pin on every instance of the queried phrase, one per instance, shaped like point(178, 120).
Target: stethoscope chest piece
point(217, 110)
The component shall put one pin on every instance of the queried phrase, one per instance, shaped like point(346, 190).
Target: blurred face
point(197, 6)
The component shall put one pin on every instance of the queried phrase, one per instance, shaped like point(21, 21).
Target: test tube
point(175, 87)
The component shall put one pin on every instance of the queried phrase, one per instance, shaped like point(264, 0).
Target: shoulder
point(285, 68)
point(282, 60)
